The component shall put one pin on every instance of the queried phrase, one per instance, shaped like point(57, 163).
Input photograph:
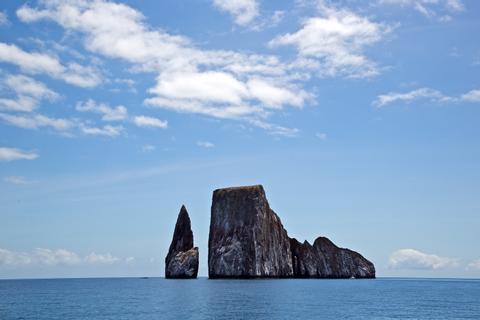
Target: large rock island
point(247, 240)
point(182, 258)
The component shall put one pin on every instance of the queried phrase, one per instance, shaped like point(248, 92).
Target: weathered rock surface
point(325, 260)
point(247, 240)
point(182, 258)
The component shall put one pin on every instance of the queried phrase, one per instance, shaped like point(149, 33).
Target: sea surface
point(158, 298)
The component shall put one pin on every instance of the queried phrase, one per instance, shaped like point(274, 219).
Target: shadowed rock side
point(325, 260)
point(247, 239)
point(182, 258)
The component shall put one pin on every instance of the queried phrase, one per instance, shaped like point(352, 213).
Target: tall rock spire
point(182, 258)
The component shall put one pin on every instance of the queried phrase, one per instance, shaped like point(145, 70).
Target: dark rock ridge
point(325, 260)
point(182, 258)
point(247, 240)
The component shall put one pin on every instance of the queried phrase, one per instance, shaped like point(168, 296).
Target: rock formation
point(247, 240)
point(325, 260)
point(182, 258)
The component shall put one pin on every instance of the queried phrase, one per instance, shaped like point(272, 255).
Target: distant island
point(247, 240)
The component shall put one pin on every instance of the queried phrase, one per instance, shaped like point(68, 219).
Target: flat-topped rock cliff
point(182, 258)
point(247, 240)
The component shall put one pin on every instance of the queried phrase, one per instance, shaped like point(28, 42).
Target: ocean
point(158, 298)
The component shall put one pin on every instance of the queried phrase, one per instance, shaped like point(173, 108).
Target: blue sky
point(360, 120)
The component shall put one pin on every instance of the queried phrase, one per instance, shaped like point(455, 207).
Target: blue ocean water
point(158, 298)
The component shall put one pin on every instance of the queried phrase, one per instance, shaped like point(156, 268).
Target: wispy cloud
point(414, 259)
point(108, 113)
point(474, 265)
point(18, 180)
point(205, 144)
point(35, 121)
point(243, 11)
point(107, 130)
point(29, 92)
point(50, 257)
point(144, 121)
point(148, 148)
point(321, 135)
point(35, 62)
point(432, 95)
point(11, 154)
point(438, 9)
point(3, 18)
point(334, 42)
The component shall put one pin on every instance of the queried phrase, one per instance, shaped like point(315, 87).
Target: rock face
point(247, 240)
point(325, 260)
point(182, 258)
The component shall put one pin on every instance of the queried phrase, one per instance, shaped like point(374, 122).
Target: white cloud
point(205, 144)
point(144, 121)
point(474, 265)
point(34, 63)
point(3, 18)
point(18, 180)
point(11, 154)
point(49, 257)
point(109, 113)
point(129, 260)
point(430, 8)
point(471, 96)
point(108, 130)
point(334, 43)
point(422, 93)
point(321, 135)
point(148, 148)
point(94, 258)
point(214, 83)
point(244, 11)
point(29, 93)
point(35, 121)
point(414, 259)
point(429, 94)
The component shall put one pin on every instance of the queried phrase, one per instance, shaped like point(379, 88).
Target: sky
point(360, 119)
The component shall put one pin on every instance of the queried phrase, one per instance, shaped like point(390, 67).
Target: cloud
point(108, 130)
point(3, 18)
point(244, 11)
point(35, 121)
point(215, 83)
point(108, 113)
point(148, 148)
point(471, 96)
point(49, 257)
point(429, 94)
point(422, 93)
point(36, 63)
point(430, 8)
point(205, 144)
point(321, 135)
point(11, 154)
point(18, 180)
point(29, 93)
point(144, 121)
point(474, 265)
point(333, 43)
point(94, 258)
point(414, 259)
